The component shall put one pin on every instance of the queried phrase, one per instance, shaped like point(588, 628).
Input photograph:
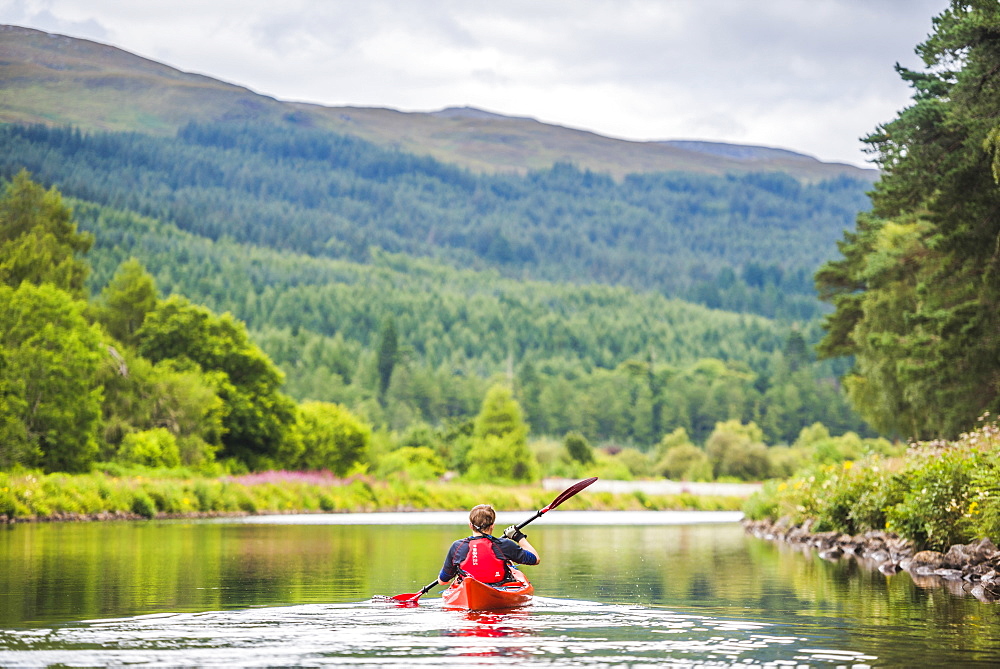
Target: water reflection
point(705, 593)
point(550, 633)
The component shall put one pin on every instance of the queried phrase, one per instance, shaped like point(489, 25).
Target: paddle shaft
point(560, 498)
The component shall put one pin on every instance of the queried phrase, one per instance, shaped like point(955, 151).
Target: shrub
point(685, 462)
point(417, 462)
point(143, 504)
point(882, 489)
point(151, 448)
point(501, 458)
point(637, 462)
point(326, 436)
point(578, 448)
point(933, 512)
point(737, 450)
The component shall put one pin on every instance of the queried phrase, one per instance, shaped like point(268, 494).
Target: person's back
point(484, 557)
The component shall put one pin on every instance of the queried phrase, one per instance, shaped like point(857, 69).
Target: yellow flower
point(848, 464)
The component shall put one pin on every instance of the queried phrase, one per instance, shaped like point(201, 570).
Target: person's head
point(482, 517)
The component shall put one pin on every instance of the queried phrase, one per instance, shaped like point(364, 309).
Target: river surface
point(613, 590)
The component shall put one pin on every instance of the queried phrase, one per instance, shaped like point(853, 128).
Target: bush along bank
point(33, 496)
point(934, 512)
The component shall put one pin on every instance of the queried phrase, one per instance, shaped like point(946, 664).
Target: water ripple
point(551, 633)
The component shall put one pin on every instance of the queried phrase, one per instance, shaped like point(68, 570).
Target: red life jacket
point(482, 562)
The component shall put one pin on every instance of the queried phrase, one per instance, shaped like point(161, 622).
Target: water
point(614, 590)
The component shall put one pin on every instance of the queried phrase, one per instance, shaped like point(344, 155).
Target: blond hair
point(482, 517)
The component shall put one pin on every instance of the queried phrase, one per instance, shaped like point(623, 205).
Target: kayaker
point(485, 557)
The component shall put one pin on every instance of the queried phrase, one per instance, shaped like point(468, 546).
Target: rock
point(889, 568)
point(984, 593)
point(825, 541)
point(950, 574)
point(977, 571)
point(974, 553)
point(879, 555)
point(831, 554)
point(931, 559)
point(970, 568)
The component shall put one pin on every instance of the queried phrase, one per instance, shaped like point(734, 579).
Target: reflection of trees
point(849, 588)
point(96, 570)
point(646, 565)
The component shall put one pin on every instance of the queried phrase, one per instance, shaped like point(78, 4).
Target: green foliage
point(578, 448)
point(31, 494)
point(39, 242)
point(327, 436)
point(938, 494)
point(494, 458)
point(417, 462)
point(629, 379)
point(258, 415)
point(143, 505)
point(610, 467)
point(126, 300)
point(141, 396)
point(151, 448)
point(747, 242)
point(50, 362)
point(737, 450)
point(933, 511)
point(500, 415)
point(499, 449)
point(388, 354)
point(685, 462)
point(637, 462)
point(915, 292)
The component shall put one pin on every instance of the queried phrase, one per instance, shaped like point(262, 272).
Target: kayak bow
point(468, 593)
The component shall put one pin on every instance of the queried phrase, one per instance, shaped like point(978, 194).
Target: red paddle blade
point(408, 599)
point(569, 492)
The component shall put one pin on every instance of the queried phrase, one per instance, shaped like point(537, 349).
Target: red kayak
point(468, 593)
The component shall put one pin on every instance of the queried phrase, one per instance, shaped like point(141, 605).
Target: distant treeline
point(406, 342)
point(749, 243)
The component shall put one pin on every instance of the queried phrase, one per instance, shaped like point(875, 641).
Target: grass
point(61, 80)
point(33, 496)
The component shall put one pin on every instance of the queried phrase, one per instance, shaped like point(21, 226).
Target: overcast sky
point(808, 75)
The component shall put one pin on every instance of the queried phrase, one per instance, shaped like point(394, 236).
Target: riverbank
point(36, 497)
point(964, 569)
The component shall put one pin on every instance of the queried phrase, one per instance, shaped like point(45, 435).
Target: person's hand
point(514, 534)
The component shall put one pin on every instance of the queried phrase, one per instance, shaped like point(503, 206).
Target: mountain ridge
point(61, 80)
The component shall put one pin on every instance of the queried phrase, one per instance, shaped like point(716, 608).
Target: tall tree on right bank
point(917, 291)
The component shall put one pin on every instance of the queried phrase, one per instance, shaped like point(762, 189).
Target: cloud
point(810, 76)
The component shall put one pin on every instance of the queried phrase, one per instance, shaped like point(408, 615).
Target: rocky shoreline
point(965, 569)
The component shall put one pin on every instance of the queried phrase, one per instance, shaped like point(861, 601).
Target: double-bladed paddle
point(560, 498)
point(413, 598)
point(410, 598)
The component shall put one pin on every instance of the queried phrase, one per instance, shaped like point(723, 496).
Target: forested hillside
point(672, 312)
point(615, 364)
point(747, 243)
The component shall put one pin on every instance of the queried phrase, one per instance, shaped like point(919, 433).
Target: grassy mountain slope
point(60, 80)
